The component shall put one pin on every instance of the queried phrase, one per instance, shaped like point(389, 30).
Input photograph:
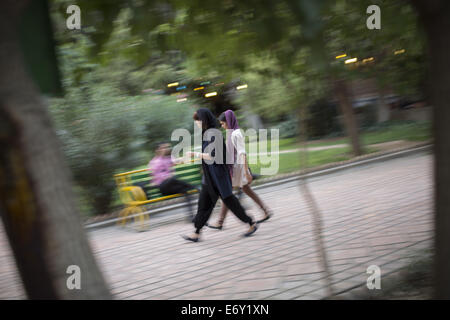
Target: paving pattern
point(376, 214)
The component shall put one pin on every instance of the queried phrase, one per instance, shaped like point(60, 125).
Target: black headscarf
point(216, 176)
point(207, 118)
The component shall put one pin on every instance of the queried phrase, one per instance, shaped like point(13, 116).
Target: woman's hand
point(200, 155)
point(193, 154)
point(178, 160)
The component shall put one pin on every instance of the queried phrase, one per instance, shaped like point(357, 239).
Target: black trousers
point(206, 204)
point(173, 186)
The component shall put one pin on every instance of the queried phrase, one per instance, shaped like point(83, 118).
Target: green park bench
point(131, 186)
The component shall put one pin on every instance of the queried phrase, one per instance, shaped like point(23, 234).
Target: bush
point(165, 117)
point(288, 128)
point(110, 134)
point(322, 119)
point(368, 115)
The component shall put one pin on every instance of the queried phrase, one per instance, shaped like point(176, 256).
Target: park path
point(376, 214)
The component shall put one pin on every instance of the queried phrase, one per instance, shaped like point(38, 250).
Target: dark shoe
point(190, 239)
point(267, 217)
point(215, 227)
point(249, 233)
point(269, 214)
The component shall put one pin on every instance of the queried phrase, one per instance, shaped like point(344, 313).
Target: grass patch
point(386, 132)
point(283, 144)
point(410, 131)
point(289, 162)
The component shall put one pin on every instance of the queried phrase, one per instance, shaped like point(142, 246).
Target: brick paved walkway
point(377, 214)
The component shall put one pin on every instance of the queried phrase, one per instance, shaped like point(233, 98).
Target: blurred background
point(144, 81)
point(109, 92)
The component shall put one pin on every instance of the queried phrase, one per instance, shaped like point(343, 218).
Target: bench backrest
point(190, 173)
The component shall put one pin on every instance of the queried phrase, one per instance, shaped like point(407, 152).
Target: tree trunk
point(311, 203)
point(383, 110)
point(37, 203)
point(435, 15)
point(351, 125)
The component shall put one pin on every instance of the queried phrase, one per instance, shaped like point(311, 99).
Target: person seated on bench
point(161, 167)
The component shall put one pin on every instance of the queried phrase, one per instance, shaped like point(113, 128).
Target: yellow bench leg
point(123, 216)
point(140, 218)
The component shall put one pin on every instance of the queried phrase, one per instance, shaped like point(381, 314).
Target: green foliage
point(322, 119)
point(109, 133)
point(112, 115)
point(368, 116)
point(38, 47)
point(108, 125)
point(288, 128)
point(346, 32)
point(283, 50)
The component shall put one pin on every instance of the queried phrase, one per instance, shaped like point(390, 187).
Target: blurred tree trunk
point(383, 110)
point(342, 93)
point(316, 214)
point(435, 16)
point(37, 203)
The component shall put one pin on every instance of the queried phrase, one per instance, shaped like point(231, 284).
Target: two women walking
point(239, 170)
point(219, 177)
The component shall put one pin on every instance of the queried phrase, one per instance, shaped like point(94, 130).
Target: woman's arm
point(177, 160)
point(247, 171)
point(180, 160)
point(200, 155)
point(205, 156)
point(239, 144)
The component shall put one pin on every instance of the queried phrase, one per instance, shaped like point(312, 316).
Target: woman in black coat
point(216, 180)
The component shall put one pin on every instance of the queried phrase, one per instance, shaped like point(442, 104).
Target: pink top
point(161, 168)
